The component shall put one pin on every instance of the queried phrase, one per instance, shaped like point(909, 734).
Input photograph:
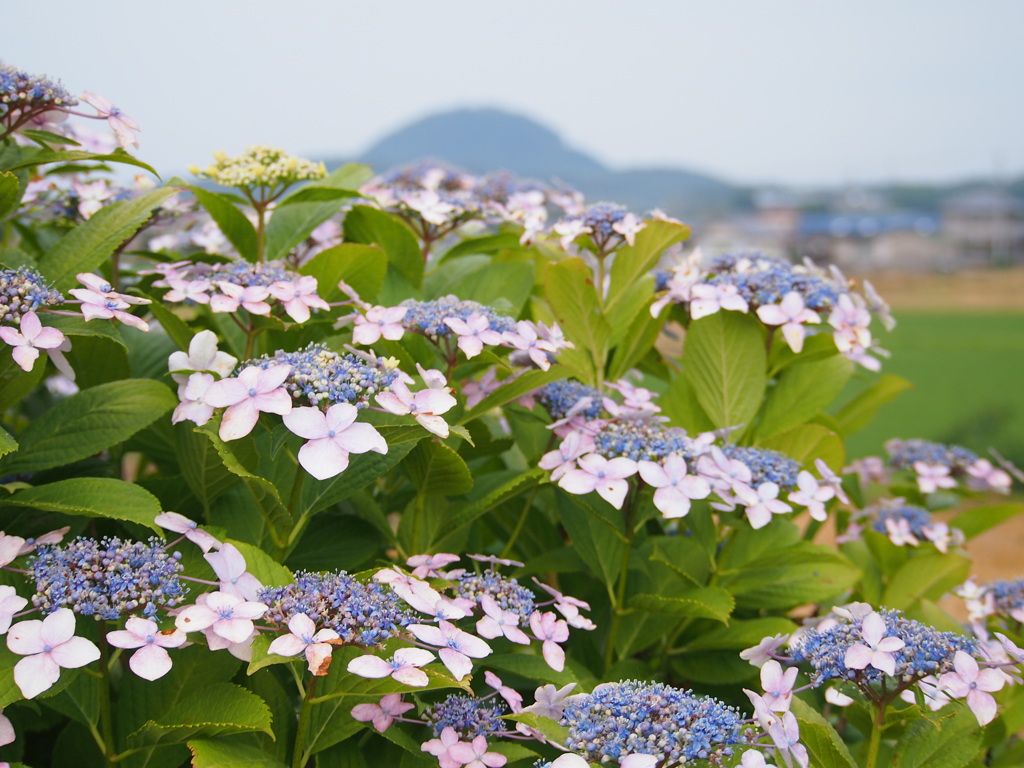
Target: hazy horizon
point(794, 92)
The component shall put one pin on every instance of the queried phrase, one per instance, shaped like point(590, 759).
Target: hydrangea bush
point(321, 468)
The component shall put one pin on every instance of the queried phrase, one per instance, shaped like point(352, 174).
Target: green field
point(968, 374)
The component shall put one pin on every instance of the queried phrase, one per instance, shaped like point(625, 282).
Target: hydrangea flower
point(47, 646)
point(382, 715)
point(253, 391)
point(303, 637)
point(331, 437)
point(151, 661)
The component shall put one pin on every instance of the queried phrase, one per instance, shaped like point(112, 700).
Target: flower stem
point(875, 740)
point(618, 603)
point(300, 754)
point(106, 721)
point(522, 521)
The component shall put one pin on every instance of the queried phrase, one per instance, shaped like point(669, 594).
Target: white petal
point(150, 663)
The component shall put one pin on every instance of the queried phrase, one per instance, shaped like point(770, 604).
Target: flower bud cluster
point(320, 377)
point(467, 716)
point(108, 578)
point(364, 614)
point(784, 295)
point(937, 465)
point(428, 317)
point(506, 591)
point(260, 165)
point(766, 465)
point(921, 651)
point(24, 290)
point(607, 224)
point(25, 92)
point(634, 717)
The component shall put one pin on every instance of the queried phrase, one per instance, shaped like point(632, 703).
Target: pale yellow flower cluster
point(259, 166)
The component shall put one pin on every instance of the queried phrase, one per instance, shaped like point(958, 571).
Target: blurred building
point(985, 227)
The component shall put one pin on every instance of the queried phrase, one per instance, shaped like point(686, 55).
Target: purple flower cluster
point(24, 290)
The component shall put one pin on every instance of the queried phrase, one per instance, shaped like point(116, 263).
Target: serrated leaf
point(261, 565)
point(977, 520)
point(437, 470)
point(45, 157)
point(92, 497)
point(633, 261)
point(725, 361)
point(572, 298)
point(808, 442)
point(88, 422)
point(363, 469)
point(515, 388)
point(952, 741)
point(232, 222)
point(201, 465)
point(596, 537)
point(803, 390)
point(684, 556)
point(741, 634)
point(636, 342)
point(824, 745)
point(926, 576)
point(369, 226)
point(227, 753)
point(7, 442)
point(700, 602)
point(679, 404)
point(220, 709)
point(859, 412)
point(785, 578)
point(504, 492)
point(91, 243)
point(78, 326)
point(291, 225)
point(10, 193)
point(361, 266)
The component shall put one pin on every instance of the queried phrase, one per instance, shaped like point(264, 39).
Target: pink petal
point(233, 630)
point(613, 491)
point(653, 474)
point(309, 423)
point(226, 392)
point(25, 357)
point(370, 666)
point(26, 637)
point(150, 663)
point(238, 420)
point(390, 402)
point(323, 458)
point(424, 632)
point(883, 661)
point(318, 656)
point(75, 653)
point(411, 676)
point(287, 645)
point(361, 438)
point(983, 705)
point(578, 481)
point(35, 674)
point(434, 424)
point(458, 663)
point(858, 656)
point(58, 627)
point(276, 401)
point(122, 639)
point(416, 657)
point(554, 655)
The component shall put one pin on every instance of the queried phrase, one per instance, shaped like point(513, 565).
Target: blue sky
point(789, 91)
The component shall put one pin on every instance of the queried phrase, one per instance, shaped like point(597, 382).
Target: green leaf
point(680, 404)
point(700, 602)
point(261, 565)
point(92, 497)
point(264, 492)
point(488, 244)
point(91, 243)
point(361, 266)
point(948, 742)
point(10, 193)
point(80, 700)
point(7, 442)
point(825, 747)
point(785, 578)
point(363, 469)
point(201, 465)
point(724, 358)
point(316, 195)
point(77, 326)
point(46, 137)
point(228, 753)
point(87, 423)
point(740, 634)
point(475, 509)
point(636, 342)
point(808, 442)
point(215, 710)
point(553, 732)
point(513, 388)
point(569, 290)
point(261, 658)
point(232, 222)
point(437, 470)
point(44, 157)
point(859, 412)
point(291, 225)
point(977, 520)
point(802, 391)
point(926, 576)
point(595, 535)
point(684, 556)
point(634, 261)
point(369, 226)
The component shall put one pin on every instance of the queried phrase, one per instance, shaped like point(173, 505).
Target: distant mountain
point(485, 140)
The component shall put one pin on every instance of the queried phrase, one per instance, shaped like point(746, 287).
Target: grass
point(967, 368)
